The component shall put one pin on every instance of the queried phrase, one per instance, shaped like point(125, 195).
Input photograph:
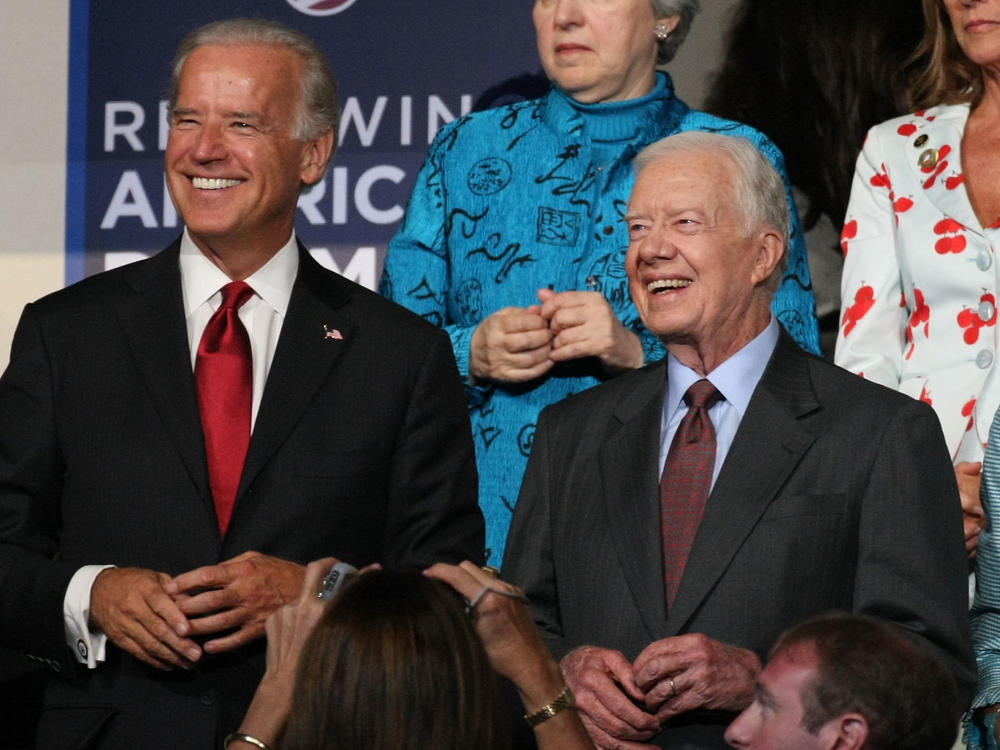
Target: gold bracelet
point(241, 737)
point(562, 701)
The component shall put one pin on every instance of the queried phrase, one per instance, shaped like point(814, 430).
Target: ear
point(845, 732)
point(669, 23)
point(315, 157)
point(770, 249)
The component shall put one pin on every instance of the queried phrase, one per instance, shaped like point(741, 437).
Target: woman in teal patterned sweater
point(513, 239)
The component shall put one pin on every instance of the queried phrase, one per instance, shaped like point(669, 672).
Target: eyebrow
point(239, 115)
point(233, 115)
point(764, 696)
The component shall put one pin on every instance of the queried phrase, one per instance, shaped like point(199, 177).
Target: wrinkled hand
point(603, 685)
point(135, 611)
point(969, 476)
point(237, 594)
point(511, 345)
point(705, 674)
point(584, 325)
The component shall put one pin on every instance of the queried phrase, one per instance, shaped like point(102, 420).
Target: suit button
point(986, 311)
point(984, 359)
point(208, 698)
point(984, 260)
point(81, 648)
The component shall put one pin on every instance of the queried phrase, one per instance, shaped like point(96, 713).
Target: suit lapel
point(153, 326)
point(629, 494)
point(302, 361)
point(768, 446)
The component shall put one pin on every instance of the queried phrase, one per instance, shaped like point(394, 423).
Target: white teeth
point(655, 286)
point(213, 183)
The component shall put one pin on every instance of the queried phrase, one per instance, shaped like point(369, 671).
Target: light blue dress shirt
point(735, 379)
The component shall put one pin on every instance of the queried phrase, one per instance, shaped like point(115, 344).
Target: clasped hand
point(518, 344)
point(156, 618)
point(623, 705)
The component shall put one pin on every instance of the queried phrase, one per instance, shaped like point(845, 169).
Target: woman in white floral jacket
point(919, 289)
point(920, 276)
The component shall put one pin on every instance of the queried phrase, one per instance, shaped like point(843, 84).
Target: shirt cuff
point(87, 644)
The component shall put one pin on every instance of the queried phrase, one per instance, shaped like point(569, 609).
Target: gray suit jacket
point(361, 449)
point(836, 494)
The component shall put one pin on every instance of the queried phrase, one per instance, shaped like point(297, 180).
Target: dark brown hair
point(395, 663)
point(878, 670)
point(814, 77)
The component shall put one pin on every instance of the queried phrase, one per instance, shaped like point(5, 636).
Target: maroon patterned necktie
point(686, 482)
point(224, 378)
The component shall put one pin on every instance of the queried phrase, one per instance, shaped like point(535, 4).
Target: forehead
point(239, 69)
point(705, 177)
point(789, 673)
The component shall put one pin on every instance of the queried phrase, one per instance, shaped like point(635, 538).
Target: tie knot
point(235, 293)
point(702, 394)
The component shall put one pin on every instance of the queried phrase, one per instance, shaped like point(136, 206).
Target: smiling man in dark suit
point(675, 520)
point(178, 436)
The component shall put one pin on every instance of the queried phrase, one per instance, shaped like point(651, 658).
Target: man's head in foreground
point(848, 682)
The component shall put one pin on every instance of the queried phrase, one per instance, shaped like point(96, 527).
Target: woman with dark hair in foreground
point(400, 660)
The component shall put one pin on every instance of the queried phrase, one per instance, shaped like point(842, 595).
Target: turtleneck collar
point(633, 120)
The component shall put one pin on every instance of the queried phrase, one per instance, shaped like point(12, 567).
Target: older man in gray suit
point(675, 520)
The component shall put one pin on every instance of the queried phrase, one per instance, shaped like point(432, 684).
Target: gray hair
point(319, 109)
point(760, 189)
point(686, 9)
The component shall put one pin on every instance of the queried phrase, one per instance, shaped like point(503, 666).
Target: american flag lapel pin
point(332, 333)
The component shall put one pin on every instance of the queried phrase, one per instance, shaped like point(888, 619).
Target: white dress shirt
point(262, 315)
point(735, 379)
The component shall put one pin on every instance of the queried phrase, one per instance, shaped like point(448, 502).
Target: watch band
point(562, 701)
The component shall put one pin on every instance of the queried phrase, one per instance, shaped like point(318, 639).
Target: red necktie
point(224, 378)
point(686, 482)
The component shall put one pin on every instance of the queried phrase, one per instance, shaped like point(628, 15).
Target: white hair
point(686, 9)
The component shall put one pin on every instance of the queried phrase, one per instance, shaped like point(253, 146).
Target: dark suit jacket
point(836, 494)
point(361, 450)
